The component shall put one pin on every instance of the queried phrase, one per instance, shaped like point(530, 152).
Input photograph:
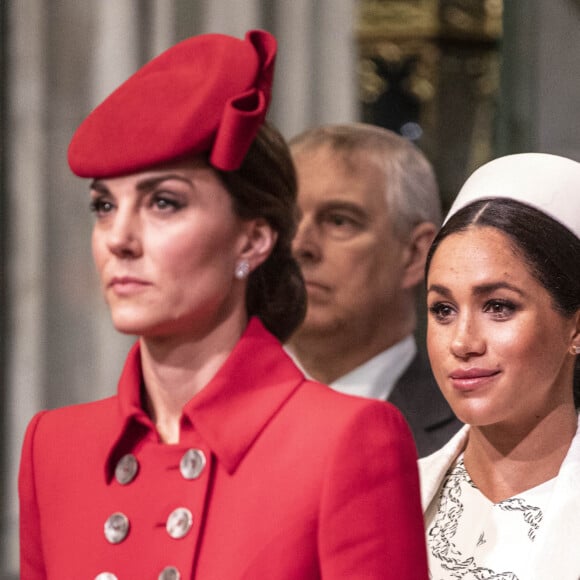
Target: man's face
point(351, 260)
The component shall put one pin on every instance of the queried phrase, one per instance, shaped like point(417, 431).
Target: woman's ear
point(575, 344)
point(260, 240)
point(415, 254)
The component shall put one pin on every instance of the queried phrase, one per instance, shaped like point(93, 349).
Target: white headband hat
point(547, 182)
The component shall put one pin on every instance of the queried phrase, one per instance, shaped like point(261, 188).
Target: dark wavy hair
point(550, 250)
point(265, 186)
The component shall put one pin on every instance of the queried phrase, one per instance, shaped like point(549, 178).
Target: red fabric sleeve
point(371, 525)
point(31, 556)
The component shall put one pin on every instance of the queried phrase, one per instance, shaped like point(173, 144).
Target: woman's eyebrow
point(493, 286)
point(145, 184)
point(478, 290)
point(151, 182)
point(99, 186)
point(443, 290)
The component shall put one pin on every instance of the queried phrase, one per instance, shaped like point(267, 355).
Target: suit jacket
point(418, 397)
point(275, 477)
point(555, 554)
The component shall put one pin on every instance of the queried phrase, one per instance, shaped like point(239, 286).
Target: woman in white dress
point(502, 498)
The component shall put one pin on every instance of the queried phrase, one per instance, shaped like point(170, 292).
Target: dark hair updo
point(265, 186)
point(550, 250)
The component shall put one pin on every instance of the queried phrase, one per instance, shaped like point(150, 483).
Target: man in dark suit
point(370, 209)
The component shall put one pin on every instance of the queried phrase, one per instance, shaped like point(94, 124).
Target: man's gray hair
point(411, 188)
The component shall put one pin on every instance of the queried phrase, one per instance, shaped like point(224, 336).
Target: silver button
point(192, 463)
point(126, 469)
point(179, 522)
point(116, 528)
point(169, 573)
point(106, 576)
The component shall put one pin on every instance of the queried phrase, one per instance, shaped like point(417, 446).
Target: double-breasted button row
point(126, 469)
point(192, 463)
point(191, 466)
point(168, 573)
point(116, 528)
point(178, 524)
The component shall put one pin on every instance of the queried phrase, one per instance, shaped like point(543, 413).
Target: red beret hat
point(208, 94)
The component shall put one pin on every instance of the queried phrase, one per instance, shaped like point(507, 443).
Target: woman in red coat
point(216, 459)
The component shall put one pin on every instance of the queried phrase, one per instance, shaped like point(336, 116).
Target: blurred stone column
point(26, 182)
point(541, 78)
point(316, 78)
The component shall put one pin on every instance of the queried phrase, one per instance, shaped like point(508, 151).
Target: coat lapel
point(432, 469)
point(558, 552)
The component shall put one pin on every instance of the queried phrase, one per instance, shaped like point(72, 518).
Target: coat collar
point(231, 410)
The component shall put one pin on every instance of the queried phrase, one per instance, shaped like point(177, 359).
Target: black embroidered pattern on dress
point(444, 527)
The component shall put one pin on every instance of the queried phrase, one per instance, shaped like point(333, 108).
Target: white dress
point(555, 554)
point(471, 538)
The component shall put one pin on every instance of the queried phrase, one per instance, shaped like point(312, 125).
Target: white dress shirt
point(375, 378)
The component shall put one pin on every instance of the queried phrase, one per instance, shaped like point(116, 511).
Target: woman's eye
point(500, 309)
point(441, 311)
point(166, 203)
point(100, 206)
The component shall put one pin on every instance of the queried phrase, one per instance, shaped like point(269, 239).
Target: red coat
point(299, 482)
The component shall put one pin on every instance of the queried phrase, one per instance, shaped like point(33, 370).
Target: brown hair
point(265, 186)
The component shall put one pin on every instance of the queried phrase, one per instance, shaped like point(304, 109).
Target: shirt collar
point(229, 412)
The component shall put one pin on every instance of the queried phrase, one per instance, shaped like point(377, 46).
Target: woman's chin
point(474, 415)
point(132, 326)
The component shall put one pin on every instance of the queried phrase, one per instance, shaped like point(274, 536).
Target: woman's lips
point(126, 285)
point(471, 379)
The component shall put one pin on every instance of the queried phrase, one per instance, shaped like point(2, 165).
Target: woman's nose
point(124, 236)
point(467, 340)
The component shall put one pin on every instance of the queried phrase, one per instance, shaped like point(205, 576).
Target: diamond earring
point(575, 349)
point(242, 269)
